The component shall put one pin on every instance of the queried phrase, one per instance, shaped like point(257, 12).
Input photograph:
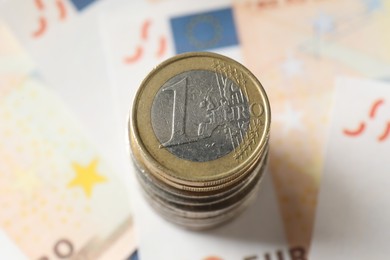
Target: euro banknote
point(59, 197)
point(297, 49)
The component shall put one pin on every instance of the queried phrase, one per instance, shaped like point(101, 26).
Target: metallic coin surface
point(195, 115)
point(206, 109)
point(199, 133)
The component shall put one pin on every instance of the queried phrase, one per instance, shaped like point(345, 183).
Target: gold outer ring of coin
point(201, 194)
point(165, 165)
point(206, 190)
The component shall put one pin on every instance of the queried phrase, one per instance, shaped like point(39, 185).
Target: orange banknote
point(59, 198)
point(297, 48)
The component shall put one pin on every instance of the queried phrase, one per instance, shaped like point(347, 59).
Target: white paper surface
point(132, 39)
point(353, 214)
point(8, 249)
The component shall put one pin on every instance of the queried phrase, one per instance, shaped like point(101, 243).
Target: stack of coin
point(199, 135)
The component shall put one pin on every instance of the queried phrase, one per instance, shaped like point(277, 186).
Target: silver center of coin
point(200, 115)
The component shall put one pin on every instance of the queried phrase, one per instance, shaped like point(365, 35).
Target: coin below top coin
point(199, 119)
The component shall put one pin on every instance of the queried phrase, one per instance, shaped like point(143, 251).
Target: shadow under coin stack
point(199, 137)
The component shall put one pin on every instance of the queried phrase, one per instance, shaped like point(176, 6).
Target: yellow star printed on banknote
point(86, 177)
